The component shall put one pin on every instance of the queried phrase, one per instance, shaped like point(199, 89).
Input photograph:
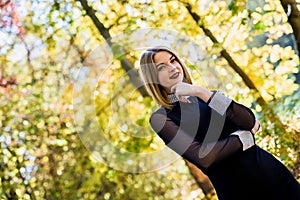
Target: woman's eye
point(160, 67)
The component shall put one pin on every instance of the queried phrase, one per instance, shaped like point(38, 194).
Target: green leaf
point(260, 25)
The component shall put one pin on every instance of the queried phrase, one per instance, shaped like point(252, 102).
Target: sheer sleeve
point(239, 114)
point(202, 155)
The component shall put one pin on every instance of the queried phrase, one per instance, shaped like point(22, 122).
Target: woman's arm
point(239, 114)
point(202, 155)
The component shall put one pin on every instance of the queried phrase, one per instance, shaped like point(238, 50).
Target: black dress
point(202, 136)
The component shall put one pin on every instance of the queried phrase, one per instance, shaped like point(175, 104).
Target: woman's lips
point(175, 75)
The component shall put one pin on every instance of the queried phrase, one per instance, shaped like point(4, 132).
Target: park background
point(249, 50)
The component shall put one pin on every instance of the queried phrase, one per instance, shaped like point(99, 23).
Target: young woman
point(213, 132)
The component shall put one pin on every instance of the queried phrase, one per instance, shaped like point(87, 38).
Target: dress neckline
point(173, 99)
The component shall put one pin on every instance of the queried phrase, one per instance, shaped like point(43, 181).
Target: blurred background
point(249, 49)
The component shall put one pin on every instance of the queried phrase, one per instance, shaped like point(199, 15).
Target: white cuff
point(219, 102)
point(246, 137)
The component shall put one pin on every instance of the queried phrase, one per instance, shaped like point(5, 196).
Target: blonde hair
point(149, 75)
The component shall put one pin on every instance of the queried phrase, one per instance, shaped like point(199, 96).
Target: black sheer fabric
point(202, 136)
point(192, 147)
point(241, 116)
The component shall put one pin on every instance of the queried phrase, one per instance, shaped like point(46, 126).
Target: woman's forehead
point(162, 55)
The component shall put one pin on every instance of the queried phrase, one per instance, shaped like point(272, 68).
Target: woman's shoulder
point(160, 111)
point(163, 114)
point(157, 118)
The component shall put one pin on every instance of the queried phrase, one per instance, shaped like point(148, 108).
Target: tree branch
point(267, 109)
point(100, 26)
point(226, 55)
point(125, 63)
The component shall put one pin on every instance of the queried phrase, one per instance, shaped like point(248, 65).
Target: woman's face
point(169, 69)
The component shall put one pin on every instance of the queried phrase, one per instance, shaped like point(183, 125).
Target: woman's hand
point(256, 127)
point(184, 89)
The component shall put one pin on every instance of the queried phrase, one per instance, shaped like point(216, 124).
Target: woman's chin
point(178, 80)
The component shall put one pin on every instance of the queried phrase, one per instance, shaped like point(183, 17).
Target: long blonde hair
point(149, 75)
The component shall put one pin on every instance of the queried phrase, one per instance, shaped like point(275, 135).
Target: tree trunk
point(201, 179)
point(293, 14)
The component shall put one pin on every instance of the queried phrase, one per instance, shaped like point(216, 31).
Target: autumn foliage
point(248, 51)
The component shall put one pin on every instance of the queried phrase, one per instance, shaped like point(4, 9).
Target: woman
point(213, 132)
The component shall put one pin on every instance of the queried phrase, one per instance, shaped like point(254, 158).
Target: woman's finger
point(256, 127)
point(183, 99)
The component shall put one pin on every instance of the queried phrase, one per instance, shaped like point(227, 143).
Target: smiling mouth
point(175, 75)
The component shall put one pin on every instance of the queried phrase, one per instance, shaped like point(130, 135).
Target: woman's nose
point(171, 67)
